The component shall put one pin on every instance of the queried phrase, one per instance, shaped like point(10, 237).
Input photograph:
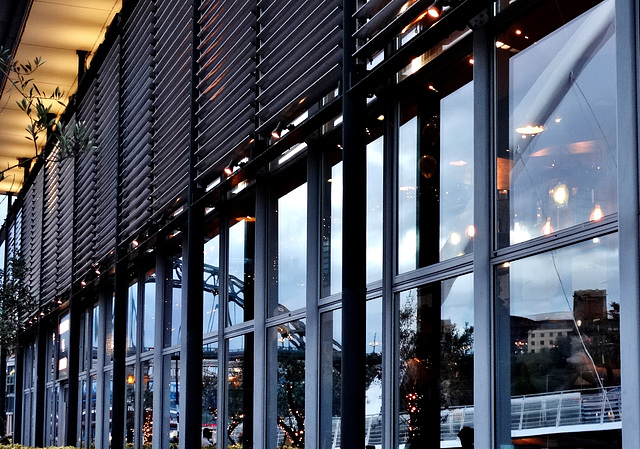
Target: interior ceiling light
point(435, 10)
point(547, 229)
point(530, 130)
point(406, 6)
point(597, 214)
point(277, 132)
point(228, 170)
point(560, 194)
point(458, 163)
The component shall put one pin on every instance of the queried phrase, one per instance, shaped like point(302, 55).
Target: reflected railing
point(537, 414)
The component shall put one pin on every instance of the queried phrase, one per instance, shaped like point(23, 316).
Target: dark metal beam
point(192, 283)
point(352, 424)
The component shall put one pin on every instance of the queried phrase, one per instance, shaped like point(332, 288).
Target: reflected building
point(323, 224)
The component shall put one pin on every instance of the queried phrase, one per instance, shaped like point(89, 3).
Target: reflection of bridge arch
point(211, 284)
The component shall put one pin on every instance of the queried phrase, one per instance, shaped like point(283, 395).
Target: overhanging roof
point(53, 30)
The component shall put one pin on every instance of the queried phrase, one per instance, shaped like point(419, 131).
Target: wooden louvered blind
point(226, 45)
point(136, 119)
point(107, 155)
point(299, 57)
point(50, 227)
point(32, 232)
point(64, 244)
point(85, 189)
point(14, 238)
point(171, 104)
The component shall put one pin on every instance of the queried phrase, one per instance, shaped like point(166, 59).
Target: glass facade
point(487, 182)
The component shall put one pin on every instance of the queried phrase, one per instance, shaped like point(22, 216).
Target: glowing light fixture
point(560, 195)
point(277, 132)
point(597, 214)
point(470, 232)
point(131, 379)
point(435, 10)
point(547, 229)
point(530, 130)
point(458, 163)
point(455, 238)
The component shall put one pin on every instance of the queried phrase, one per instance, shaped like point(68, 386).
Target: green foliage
point(16, 301)
point(37, 105)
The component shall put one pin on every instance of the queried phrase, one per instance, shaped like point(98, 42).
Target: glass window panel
point(95, 328)
point(147, 400)
point(435, 169)
point(63, 347)
point(373, 406)
point(109, 333)
point(132, 318)
point(82, 354)
point(92, 411)
point(107, 406)
point(286, 389)
point(211, 279)
point(331, 244)
point(149, 319)
point(83, 414)
point(375, 162)
point(239, 426)
point(288, 281)
point(330, 377)
point(557, 151)
point(171, 400)
point(209, 394)
point(174, 301)
point(436, 362)
point(130, 404)
point(241, 253)
point(564, 386)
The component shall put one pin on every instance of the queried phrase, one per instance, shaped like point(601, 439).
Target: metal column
point(352, 426)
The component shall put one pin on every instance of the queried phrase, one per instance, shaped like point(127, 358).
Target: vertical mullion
point(100, 435)
point(158, 362)
point(260, 307)
point(312, 354)
point(484, 369)
point(390, 338)
point(223, 312)
point(627, 47)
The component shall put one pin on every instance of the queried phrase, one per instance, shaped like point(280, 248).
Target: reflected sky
point(566, 83)
point(336, 228)
point(374, 209)
point(292, 248)
point(545, 283)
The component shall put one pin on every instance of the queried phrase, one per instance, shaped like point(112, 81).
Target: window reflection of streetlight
point(374, 343)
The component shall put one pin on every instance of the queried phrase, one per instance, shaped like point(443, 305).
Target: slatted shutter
point(136, 119)
point(299, 57)
point(64, 244)
point(226, 74)
point(32, 233)
point(171, 105)
point(107, 154)
point(14, 238)
point(85, 191)
point(50, 227)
